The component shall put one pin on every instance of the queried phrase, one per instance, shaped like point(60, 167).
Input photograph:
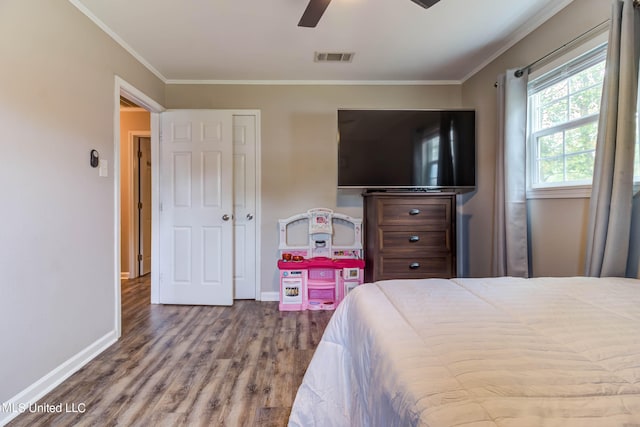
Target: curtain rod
point(598, 27)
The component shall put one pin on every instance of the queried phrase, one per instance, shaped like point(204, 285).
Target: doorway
point(142, 204)
point(135, 190)
point(129, 92)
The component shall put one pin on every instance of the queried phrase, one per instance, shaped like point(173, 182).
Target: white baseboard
point(124, 275)
point(20, 402)
point(270, 296)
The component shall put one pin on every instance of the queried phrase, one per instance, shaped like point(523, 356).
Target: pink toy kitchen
point(320, 259)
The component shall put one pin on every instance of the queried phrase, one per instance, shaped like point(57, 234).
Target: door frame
point(124, 88)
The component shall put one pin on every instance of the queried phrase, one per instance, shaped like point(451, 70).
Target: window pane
point(580, 166)
point(551, 170)
point(555, 113)
point(592, 76)
point(550, 145)
point(555, 92)
point(564, 105)
point(582, 138)
point(585, 102)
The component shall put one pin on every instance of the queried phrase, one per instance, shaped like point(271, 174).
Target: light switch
point(103, 169)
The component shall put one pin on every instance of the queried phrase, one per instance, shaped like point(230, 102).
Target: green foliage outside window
point(565, 127)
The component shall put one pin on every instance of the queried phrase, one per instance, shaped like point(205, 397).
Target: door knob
point(225, 217)
point(249, 217)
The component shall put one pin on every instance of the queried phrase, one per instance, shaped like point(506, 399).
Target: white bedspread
point(478, 352)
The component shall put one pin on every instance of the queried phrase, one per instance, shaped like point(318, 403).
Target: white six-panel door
point(244, 205)
point(196, 207)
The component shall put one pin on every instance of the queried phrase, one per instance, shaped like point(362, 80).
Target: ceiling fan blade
point(425, 3)
point(313, 13)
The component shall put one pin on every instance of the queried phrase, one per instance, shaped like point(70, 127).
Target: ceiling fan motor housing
point(316, 8)
point(425, 3)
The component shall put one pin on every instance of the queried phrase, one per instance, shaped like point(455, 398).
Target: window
point(564, 105)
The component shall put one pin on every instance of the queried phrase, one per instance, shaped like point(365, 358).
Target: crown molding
point(525, 30)
point(317, 82)
point(117, 39)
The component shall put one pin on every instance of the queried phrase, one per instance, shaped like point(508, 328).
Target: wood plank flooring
point(191, 366)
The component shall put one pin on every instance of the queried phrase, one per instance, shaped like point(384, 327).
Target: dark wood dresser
point(409, 235)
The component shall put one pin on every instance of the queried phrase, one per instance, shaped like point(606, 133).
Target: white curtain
point(610, 211)
point(510, 249)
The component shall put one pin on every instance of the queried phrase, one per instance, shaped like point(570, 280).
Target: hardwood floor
point(190, 365)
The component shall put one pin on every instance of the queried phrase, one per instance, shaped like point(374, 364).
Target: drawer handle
point(414, 239)
point(414, 265)
point(414, 211)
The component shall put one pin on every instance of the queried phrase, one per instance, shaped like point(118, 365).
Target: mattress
point(478, 352)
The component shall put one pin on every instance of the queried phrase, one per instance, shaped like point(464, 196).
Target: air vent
point(333, 56)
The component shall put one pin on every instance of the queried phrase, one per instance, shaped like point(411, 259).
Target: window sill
point(569, 192)
point(565, 192)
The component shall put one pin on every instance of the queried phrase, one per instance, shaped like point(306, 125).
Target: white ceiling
point(259, 40)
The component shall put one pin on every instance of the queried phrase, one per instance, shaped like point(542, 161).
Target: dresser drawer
point(433, 213)
point(421, 267)
point(395, 238)
point(409, 236)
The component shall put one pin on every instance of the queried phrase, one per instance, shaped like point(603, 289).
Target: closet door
point(245, 138)
point(196, 207)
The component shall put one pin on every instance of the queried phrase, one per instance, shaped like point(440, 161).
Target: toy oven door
point(292, 290)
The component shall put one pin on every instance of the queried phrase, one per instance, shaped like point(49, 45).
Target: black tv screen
point(412, 149)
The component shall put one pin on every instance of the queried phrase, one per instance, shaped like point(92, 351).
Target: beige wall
point(558, 237)
point(298, 129)
point(557, 226)
point(299, 146)
point(131, 122)
point(57, 278)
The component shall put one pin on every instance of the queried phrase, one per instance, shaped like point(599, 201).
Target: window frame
point(562, 69)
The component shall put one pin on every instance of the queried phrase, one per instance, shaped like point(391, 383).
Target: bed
point(478, 352)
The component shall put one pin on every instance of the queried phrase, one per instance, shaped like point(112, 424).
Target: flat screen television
point(407, 149)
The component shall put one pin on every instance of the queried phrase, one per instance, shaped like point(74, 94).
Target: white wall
point(57, 242)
